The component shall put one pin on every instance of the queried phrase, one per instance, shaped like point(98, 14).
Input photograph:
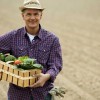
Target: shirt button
point(31, 89)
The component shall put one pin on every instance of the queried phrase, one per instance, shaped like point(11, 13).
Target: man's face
point(32, 17)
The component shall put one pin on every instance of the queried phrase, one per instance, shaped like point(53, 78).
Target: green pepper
point(2, 57)
point(38, 66)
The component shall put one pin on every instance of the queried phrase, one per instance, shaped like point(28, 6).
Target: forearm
point(47, 76)
point(55, 60)
point(53, 73)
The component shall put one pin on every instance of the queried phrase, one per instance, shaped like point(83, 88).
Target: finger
point(35, 85)
point(37, 75)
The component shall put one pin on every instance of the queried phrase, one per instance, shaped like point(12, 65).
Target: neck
point(32, 31)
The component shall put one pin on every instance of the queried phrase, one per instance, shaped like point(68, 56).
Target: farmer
point(38, 43)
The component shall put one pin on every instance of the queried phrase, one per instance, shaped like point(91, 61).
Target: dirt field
point(77, 24)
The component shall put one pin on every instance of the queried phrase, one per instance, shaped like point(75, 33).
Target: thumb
point(36, 75)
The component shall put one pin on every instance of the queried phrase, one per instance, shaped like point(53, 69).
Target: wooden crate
point(19, 77)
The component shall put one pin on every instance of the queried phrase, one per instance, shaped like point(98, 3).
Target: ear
point(22, 15)
point(41, 14)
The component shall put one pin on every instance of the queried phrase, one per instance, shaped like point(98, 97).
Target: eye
point(36, 14)
point(28, 14)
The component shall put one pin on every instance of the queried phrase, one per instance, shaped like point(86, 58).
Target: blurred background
point(77, 24)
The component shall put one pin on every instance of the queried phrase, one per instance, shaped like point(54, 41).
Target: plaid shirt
point(45, 48)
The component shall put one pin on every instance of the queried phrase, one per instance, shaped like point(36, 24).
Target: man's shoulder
point(48, 34)
point(18, 31)
point(11, 33)
point(15, 31)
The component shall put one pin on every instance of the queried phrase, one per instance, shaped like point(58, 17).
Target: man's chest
point(38, 49)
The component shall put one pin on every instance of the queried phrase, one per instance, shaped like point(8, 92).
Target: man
point(35, 42)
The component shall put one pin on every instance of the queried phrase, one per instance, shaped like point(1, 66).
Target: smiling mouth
point(32, 22)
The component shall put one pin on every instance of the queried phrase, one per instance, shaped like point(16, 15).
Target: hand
point(42, 78)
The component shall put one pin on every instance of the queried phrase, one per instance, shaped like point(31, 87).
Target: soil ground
point(76, 23)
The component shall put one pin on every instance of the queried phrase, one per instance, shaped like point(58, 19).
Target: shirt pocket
point(20, 51)
point(43, 53)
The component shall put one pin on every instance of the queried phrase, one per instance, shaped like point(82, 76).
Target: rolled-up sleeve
point(55, 60)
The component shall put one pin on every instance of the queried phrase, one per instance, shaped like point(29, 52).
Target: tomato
point(16, 62)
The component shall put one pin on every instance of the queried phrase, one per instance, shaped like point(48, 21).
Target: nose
point(32, 17)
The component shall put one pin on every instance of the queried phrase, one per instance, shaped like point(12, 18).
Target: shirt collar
point(40, 33)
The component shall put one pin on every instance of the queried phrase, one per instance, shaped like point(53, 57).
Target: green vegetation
point(10, 58)
point(23, 62)
point(2, 57)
